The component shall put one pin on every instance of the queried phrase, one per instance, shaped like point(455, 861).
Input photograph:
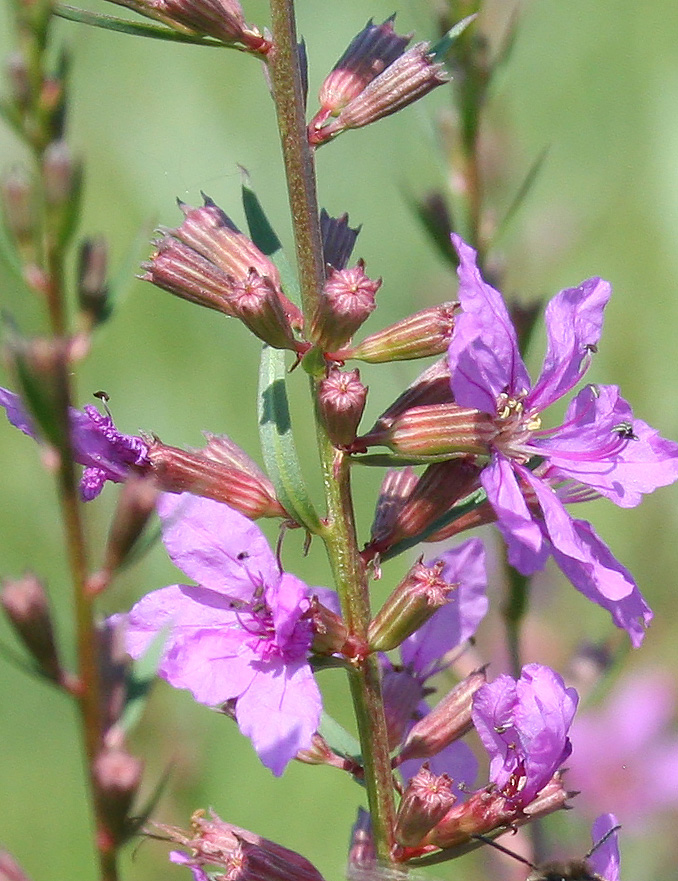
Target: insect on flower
point(575, 870)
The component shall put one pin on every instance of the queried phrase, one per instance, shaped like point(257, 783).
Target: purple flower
point(97, 444)
point(242, 634)
point(427, 652)
point(523, 725)
point(625, 754)
point(600, 449)
point(604, 858)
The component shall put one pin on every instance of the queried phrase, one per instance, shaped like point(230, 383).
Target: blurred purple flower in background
point(600, 449)
point(524, 727)
point(242, 634)
point(106, 453)
point(625, 754)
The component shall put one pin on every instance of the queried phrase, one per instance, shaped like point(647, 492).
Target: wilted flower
point(600, 449)
point(241, 634)
point(106, 453)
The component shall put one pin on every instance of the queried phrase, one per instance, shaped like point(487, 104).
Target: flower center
point(515, 426)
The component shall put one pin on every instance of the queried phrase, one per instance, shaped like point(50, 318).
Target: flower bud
point(338, 239)
point(221, 19)
point(92, 281)
point(411, 76)
point(341, 399)
point(418, 596)
point(420, 335)
point(19, 79)
point(257, 304)
point(10, 870)
point(345, 303)
point(407, 506)
point(435, 430)
point(329, 630)
point(369, 53)
point(425, 802)
point(362, 854)
point(117, 776)
point(430, 387)
point(449, 720)
point(244, 855)
point(201, 472)
point(27, 607)
point(18, 206)
point(62, 174)
point(320, 753)
point(136, 504)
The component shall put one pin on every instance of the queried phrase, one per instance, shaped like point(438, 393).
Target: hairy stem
point(339, 533)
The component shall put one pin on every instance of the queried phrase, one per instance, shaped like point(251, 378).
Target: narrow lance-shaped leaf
point(277, 441)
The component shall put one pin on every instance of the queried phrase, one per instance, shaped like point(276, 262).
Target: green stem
point(297, 155)
point(339, 533)
point(365, 680)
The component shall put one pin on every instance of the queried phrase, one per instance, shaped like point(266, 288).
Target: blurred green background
point(598, 84)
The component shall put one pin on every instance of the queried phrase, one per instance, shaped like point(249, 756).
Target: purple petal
point(591, 448)
point(483, 355)
point(605, 859)
point(97, 444)
point(216, 546)
point(527, 550)
point(574, 321)
point(523, 725)
point(199, 874)
point(289, 601)
point(280, 712)
point(456, 621)
point(600, 577)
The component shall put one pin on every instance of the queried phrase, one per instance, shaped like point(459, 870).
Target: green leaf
point(136, 28)
point(136, 824)
point(277, 441)
point(264, 237)
point(523, 190)
point(441, 48)
point(140, 680)
point(339, 739)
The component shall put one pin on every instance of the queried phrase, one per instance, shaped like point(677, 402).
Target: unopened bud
point(27, 607)
point(433, 386)
point(19, 208)
point(92, 280)
point(19, 79)
point(408, 506)
point(425, 802)
point(320, 753)
point(117, 776)
point(418, 596)
point(362, 853)
point(244, 855)
point(420, 335)
point(136, 504)
point(10, 870)
point(329, 631)
point(369, 53)
point(257, 304)
point(199, 472)
point(411, 76)
point(341, 399)
point(223, 20)
point(62, 174)
point(449, 720)
point(338, 239)
point(346, 302)
point(435, 430)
